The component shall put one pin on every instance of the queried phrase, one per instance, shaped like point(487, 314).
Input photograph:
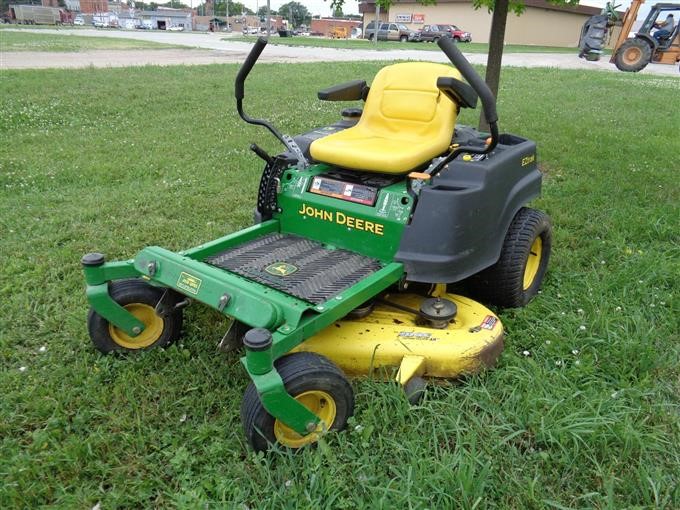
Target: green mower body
point(329, 242)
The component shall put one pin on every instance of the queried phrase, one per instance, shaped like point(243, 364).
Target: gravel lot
point(211, 49)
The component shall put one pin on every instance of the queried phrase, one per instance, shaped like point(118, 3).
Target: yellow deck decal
point(189, 283)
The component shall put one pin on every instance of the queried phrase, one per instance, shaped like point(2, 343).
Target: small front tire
point(140, 299)
point(312, 380)
point(414, 390)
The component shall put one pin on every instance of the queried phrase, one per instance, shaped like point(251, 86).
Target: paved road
point(210, 48)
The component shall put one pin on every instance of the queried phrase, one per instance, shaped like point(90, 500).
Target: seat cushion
point(406, 122)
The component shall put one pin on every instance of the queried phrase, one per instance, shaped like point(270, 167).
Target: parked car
point(78, 20)
point(391, 32)
point(175, 28)
point(431, 33)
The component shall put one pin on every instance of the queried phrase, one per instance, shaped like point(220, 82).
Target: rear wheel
point(435, 40)
point(316, 383)
point(633, 55)
point(370, 37)
point(403, 38)
point(517, 276)
point(140, 299)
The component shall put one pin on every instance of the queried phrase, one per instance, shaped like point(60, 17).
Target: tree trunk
point(493, 62)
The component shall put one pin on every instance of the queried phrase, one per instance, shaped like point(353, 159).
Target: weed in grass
point(115, 160)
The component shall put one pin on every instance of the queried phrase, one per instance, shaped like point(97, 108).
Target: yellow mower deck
point(389, 338)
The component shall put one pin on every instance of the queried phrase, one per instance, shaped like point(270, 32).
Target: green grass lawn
point(30, 41)
point(113, 160)
point(364, 44)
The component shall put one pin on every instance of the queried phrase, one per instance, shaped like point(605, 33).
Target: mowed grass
point(31, 41)
point(365, 44)
point(580, 412)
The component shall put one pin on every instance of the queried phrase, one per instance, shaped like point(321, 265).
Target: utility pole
point(377, 24)
point(268, 19)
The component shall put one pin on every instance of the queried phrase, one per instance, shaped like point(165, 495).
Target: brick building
point(94, 6)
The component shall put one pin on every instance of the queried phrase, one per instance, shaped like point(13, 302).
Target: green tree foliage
point(517, 6)
point(262, 11)
point(296, 12)
point(235, 9)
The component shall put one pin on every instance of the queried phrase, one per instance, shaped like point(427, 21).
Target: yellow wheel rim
point(322, 405)
point(533, 262)
point(632, 55)
point(153, 328)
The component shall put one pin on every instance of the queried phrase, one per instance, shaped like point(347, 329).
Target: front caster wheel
point(313, 381)
point(140, 299)
point(414, 390)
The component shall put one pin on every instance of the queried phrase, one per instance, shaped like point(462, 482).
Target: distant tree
point(296, 12)
point(235, 9)
point(337, 12)
point(262, 11)
point(173, 4)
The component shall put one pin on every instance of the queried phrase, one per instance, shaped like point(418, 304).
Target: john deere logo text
point(342, 219)
point(528, 159)
point(280, 269)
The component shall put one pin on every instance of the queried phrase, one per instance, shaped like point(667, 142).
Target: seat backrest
point(404, 103)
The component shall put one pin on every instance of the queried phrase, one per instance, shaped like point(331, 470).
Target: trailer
point(35, 15)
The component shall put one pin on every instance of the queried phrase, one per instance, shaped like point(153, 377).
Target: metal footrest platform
point(297, 266)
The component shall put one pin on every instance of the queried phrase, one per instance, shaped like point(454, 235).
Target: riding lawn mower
point(360, 228)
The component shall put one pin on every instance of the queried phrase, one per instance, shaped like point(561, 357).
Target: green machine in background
point(359, 228)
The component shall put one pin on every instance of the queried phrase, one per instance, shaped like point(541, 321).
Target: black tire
point(633, 55)
point(301, 372)
point(403, 38)
point(517, 276)
point(435, 40)
point(370, 37)
point(140, 298)
point(456, 39)
point(414, 390)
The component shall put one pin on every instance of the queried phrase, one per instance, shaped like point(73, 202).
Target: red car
point(433, 32)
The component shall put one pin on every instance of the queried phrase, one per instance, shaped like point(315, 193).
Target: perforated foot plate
point(297, 266)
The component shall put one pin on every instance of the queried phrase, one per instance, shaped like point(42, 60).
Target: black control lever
point(261, 153)
point(248, 65)
point(239, 92)
point(485, 95)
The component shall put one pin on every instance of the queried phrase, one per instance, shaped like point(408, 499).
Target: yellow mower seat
point(406, 122)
